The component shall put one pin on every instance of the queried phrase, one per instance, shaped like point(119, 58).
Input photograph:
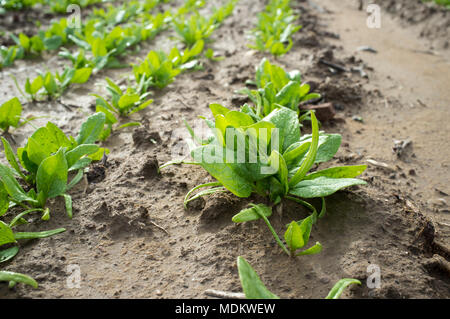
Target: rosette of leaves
point(269, 157)
point(277, 87)
point(160, 69)
point(121, 104)
point(275, 28)
point(44, 165)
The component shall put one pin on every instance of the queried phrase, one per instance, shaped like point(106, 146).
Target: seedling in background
point(254, 288)
point(277, 87)
point(122, 104)
point(159, 70)
point(53, 85)
point(278, 168)
point(47, 159)
point(193, 29)
point(275, 28)
point(10, 115)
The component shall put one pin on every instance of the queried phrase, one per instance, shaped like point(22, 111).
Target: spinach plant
point(193, 29)
point(121, 104)
point(269, 157)
point(10, 115)
point(53, 85)
point(159, 69)
point(275, 28)
point(254, 288)
point(47, 159)
point(276, 87)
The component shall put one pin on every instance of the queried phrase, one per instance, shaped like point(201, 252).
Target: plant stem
point(306, 204)
point(275, 235)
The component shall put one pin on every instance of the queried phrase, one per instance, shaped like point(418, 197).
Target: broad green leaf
point(328, 146)
point(289, 96)
point(339, 172)
point(294, 237)
point(51, 179)
point(78, 152)
point(12, 186)
point(53, 42)
point(10, 112)
point(99, 154)
point(127, 100)
point(16, 277)
point(9, 153)
point(91, 129)
point(340, 286)
point(211, 158)
point(81, 75)
point(295, 151)
point(238, 119)
point(251, 283)
point(46, 141)
point(323, 186)
point(251, 213)
point(317, 248)
point(6, 234)
point(306, 226)
point(217, 109)
point(286, 121)
point(36, 85)
point(8, 254)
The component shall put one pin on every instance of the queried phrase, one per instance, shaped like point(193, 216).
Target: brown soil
point(132, 238)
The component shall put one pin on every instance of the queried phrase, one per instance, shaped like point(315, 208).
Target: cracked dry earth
point(132, 238)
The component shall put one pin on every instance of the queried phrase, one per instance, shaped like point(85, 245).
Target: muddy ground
point(132, 238)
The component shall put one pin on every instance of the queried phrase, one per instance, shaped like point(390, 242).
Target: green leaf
point(81, 75)
point(338, 172)
point(36, 85)
point(46, 141)
point(9, 153)
point(8, 254)
point(217, 109)
point(340, 286)
point(91, 129)
point(317, 248)
point(99, 154)
point(251, 283)
point(6, 234)
point(42, 234)
point(10, 112)
point(323, 186)
point(16, 277)
point(12, 186)
point(294, 237)
point(277, 162)
point(238, 119)
point(78, 152)
point(211, 159)
point(251, 213)
point(68, 202)
point(4, 199)
point(51, 179)
point(53, 42)
point(128, 100)
point(311, 155)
